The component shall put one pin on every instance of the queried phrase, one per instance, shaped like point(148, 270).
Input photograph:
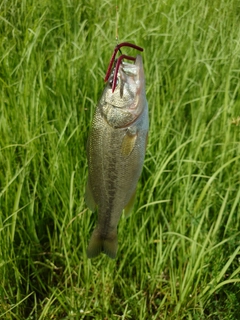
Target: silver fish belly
point(116, 151)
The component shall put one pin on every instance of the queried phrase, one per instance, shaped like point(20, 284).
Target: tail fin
point(99, 244)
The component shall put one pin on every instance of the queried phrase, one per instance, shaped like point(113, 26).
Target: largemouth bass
point(116, 151)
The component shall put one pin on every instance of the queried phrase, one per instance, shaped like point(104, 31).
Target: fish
point(115, 152)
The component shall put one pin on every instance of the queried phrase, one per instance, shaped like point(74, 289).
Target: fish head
point(126, 103)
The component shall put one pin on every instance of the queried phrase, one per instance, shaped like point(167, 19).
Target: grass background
point(179, 252)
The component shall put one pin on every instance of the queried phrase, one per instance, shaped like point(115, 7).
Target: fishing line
point(117, 19)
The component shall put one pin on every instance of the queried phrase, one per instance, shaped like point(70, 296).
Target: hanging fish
point(116, 149)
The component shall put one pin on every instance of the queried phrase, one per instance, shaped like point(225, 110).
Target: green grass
point(179, 252)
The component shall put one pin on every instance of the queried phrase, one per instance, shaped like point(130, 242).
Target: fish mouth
point(124, 95)
point(129, 87)
point(119, 60)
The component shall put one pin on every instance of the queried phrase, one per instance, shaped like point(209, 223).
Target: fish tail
point(107, 244)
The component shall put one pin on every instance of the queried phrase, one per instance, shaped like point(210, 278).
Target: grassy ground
point(179, 252)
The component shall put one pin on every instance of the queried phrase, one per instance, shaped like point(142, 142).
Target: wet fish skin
point(116, 151)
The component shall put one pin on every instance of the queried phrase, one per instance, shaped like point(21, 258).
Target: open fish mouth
point(118, 62)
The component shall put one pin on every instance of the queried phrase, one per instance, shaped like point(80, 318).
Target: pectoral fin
point(129, 206)
point(128, 143)
point(89, 198)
